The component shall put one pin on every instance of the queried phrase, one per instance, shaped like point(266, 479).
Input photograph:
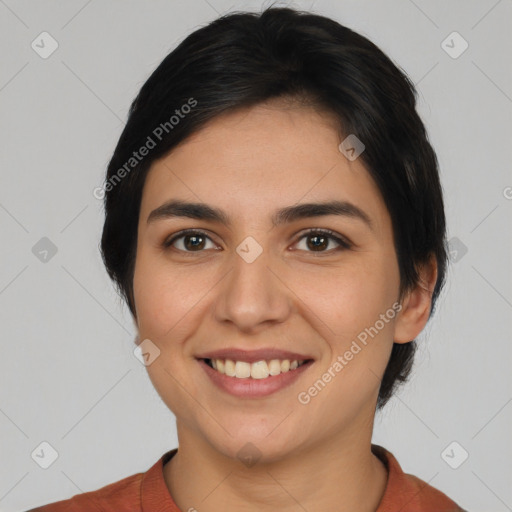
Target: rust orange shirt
point(147, 492)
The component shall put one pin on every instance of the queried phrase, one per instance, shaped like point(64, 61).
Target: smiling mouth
point(257, 370)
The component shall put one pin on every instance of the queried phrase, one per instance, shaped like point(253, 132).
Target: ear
point(416, 305)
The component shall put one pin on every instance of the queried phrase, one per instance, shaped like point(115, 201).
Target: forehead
point(254, 161)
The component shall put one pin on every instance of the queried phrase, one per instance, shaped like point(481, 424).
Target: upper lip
point(251, 356)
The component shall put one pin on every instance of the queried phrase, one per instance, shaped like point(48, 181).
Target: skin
point(249, 163)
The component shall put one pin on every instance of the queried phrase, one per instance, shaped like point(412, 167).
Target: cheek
point(166, 297)
point(347, 299)
point(153, 292)
point(352, 305)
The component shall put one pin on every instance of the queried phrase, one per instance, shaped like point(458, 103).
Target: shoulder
point(120, 496)
point(408, 492)
point(131, 494)
point(423, 496)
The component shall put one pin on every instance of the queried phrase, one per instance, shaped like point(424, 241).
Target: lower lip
point(253, 388)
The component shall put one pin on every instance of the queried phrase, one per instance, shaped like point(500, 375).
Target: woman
point(275, 223)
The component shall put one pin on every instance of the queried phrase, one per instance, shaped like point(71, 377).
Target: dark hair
point(244, 58)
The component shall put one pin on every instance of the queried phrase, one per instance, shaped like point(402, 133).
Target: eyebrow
point(201, 211)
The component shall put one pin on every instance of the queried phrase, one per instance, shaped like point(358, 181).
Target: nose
point(253, 296)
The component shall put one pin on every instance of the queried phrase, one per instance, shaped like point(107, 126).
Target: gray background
point(68, 373)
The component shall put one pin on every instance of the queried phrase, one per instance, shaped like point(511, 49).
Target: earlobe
point(416, 305)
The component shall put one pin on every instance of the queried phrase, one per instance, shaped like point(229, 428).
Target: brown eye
point(189, 241)
point(318, 240)
point(192, 242)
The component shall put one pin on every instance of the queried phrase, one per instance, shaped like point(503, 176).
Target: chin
point(253, 445)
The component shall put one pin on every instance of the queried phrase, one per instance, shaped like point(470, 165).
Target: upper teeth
point(257, 370)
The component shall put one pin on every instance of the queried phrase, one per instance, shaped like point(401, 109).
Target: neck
point(341, 474)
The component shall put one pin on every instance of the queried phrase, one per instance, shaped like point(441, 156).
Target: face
point(253, 284)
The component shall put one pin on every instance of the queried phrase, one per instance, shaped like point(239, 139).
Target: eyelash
point(343, 244)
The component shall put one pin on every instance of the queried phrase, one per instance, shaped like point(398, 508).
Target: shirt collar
point(155, 496)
